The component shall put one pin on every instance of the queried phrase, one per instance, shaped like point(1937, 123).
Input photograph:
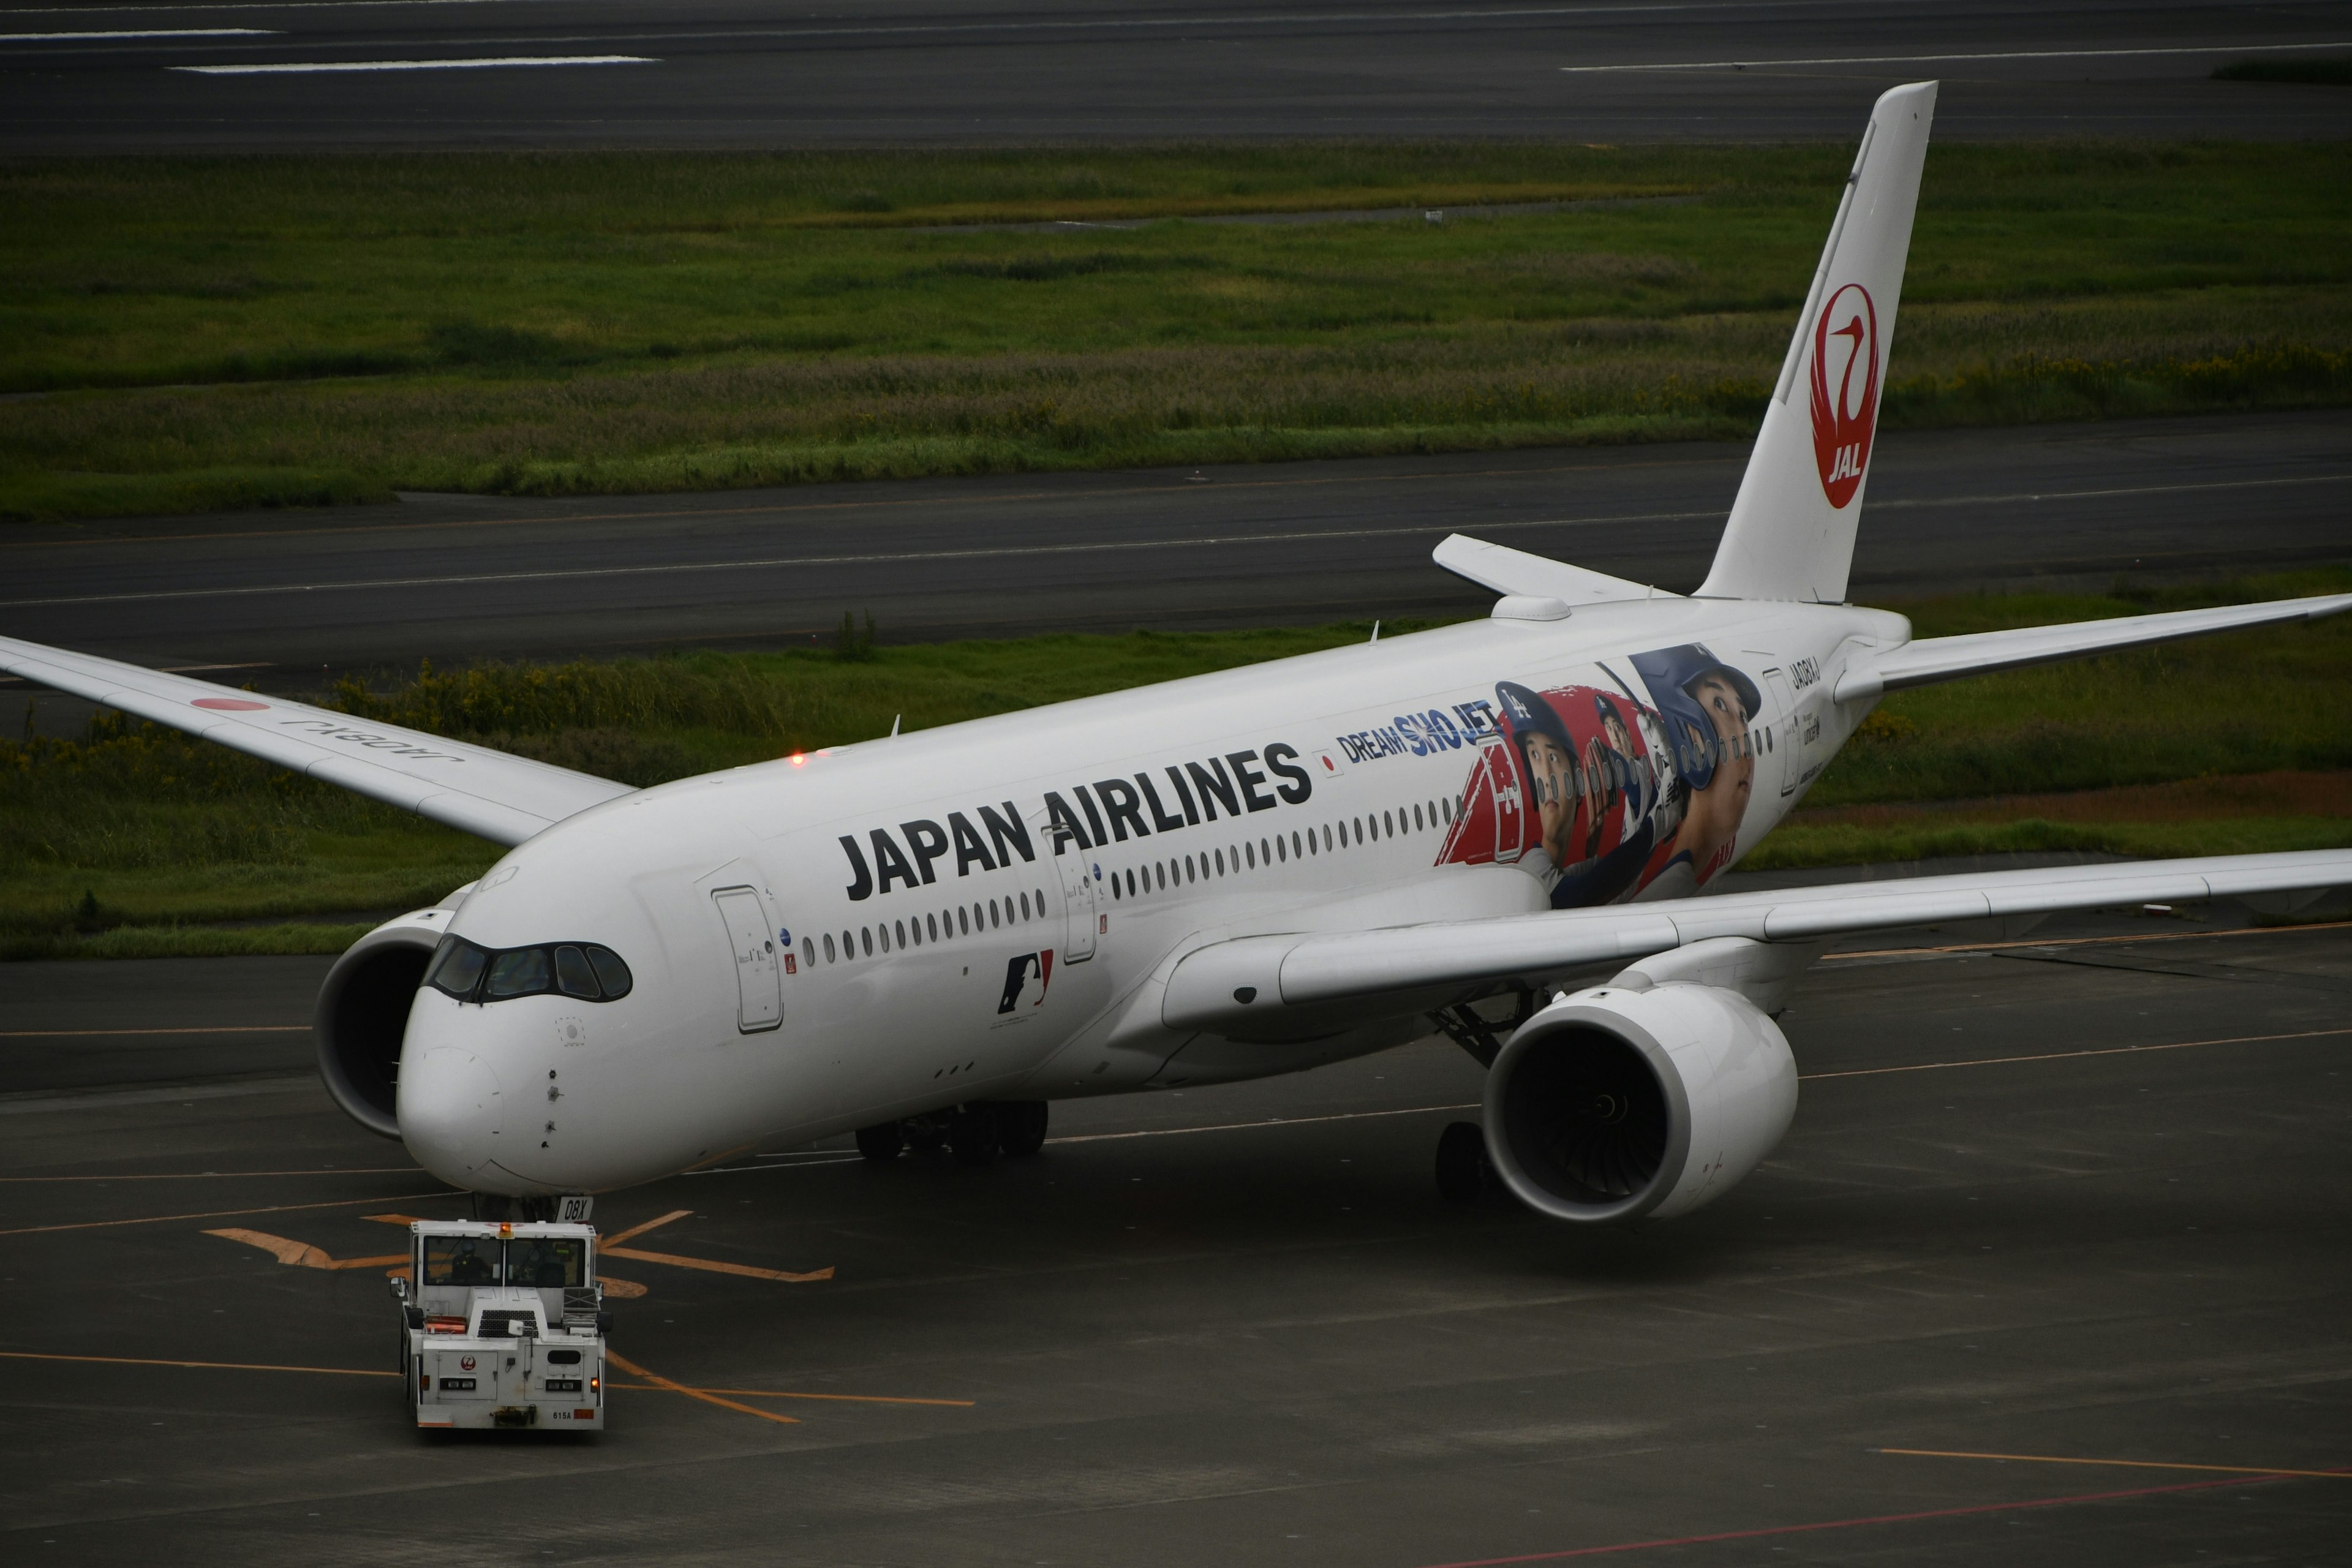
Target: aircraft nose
point(450, 1113)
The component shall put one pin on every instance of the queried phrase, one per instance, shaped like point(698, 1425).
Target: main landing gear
point(1465, 1173)
point(977, 1133)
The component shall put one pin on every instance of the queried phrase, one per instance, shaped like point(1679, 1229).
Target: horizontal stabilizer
point(1507, 570)
point(503, 798)
point(1931, 659)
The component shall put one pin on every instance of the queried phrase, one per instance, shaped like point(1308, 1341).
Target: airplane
point(1508, 829)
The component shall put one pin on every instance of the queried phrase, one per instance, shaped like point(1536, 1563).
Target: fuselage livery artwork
point(1513, 830)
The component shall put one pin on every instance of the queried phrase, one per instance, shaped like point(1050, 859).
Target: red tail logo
point(1845, 390)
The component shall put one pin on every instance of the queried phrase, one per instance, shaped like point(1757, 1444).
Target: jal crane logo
point(1845, 390)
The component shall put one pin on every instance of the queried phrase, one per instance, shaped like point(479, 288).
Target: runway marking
point(1769, 1531)
point(302, 1255)
point(712, 1266)
point(219, 1214)
point(207, 1029)
point(625, 1364)
point(2062, 1055)
point(2343, 1475)
point(1928, 60)
point(136, 33)
point(208, 1365)
point(2089, 941)
point(499, 62)
point(204, 1176)
point(1092, 547)
point(637, 1231)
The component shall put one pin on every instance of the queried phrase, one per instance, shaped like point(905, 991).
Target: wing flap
point(1931, 659)
point(1235, 984)
point(475, 789)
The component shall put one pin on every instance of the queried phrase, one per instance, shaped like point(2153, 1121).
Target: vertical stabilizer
point(1791, 530)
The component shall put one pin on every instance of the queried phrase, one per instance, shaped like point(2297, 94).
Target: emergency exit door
point(1788, 745)
point(758, 982)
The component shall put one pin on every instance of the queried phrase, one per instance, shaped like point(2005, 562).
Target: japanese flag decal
point(1845, 390)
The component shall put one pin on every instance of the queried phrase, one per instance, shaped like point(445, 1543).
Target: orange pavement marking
point(301, 1255)
point(217, 1365)
point(659, 1381)
point(624, 1289)
point(390, 1218)
point(2062, 1056)
point(710, 1266)
point(219, 1214)
point(845, 1398)
point(635, 1231)
point(2345, 1475)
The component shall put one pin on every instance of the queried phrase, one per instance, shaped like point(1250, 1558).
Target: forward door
point(758, 982)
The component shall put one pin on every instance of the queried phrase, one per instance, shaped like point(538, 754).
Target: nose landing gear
point(977, 1133)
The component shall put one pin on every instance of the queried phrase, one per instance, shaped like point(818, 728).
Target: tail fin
point(1791, 530)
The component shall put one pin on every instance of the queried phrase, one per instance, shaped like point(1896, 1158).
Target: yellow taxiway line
point(2343, 1475)
point(659, 1381)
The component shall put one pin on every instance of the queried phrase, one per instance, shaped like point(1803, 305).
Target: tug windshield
point(461, 1260)
point(547, 1262)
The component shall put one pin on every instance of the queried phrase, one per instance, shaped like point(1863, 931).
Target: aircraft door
point(1509, 818)
point(759, 982)
point(1078, 908)
point(1786, 744)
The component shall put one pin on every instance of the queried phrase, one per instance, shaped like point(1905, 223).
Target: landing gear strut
point(881, 1142)
point(978, 1131)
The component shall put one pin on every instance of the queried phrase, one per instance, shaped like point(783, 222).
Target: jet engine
point(1620, 1103)
point(363, 1013)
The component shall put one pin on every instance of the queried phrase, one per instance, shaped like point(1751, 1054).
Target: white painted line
point(1930, 59)
point(322, 67)
point(1091, 547)
point(149, 32)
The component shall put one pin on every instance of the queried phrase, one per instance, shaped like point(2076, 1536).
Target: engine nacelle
point(1619, 1104)
point(363, 1013)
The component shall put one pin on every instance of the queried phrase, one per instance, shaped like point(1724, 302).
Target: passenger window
point(866, 940)
point(1359, 830)
point(456, 968)
point(1251, 850)
point(994, 921)
point(932, 924)
point(1281, 852)
point(1041, 903)
point(1025, 906)
point(461, 1260)
point(1221, 862)
point(808, 952)
point(1294, 842)
point(1388, 826)
point(573, 976)
point(521, 971)
point(964, 920)
point(828, 948)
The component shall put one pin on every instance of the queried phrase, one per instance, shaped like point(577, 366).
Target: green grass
point(137, 841)
point(213, 332)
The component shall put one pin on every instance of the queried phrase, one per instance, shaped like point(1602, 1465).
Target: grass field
point(136, 841)
point(188, 333)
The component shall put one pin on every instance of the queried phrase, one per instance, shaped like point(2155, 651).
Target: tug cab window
point(461, 1260)
point(546, 1262)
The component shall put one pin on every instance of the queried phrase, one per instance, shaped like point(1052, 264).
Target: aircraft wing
point(1236, 985)
point(1931, 659)
point(505, 799)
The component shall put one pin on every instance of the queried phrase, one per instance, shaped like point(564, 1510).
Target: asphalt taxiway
point(2052, 1268)
point(278, 597)
point(270, 75)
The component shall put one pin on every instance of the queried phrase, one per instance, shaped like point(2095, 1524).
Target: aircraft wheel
point(1464, 1171)
point(880, 1142)
point(1021, 1127)
point(924, 1134)
point(972, 1134)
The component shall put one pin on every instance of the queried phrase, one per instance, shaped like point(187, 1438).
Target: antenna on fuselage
point(894, 724)
point(1376, 631)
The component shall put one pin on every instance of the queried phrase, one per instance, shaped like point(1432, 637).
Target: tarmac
point(2050, 1268)
point(385, 74)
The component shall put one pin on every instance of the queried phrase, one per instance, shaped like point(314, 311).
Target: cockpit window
point(579, 969)
point(457, 967)
point(517, 971)
point(573, 976)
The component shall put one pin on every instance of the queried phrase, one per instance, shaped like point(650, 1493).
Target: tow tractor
point(503, 1325)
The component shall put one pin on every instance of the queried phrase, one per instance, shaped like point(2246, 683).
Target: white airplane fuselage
point(935, 946)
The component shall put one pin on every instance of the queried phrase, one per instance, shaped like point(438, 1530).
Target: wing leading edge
point(1236, 985)
point(503, 798)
